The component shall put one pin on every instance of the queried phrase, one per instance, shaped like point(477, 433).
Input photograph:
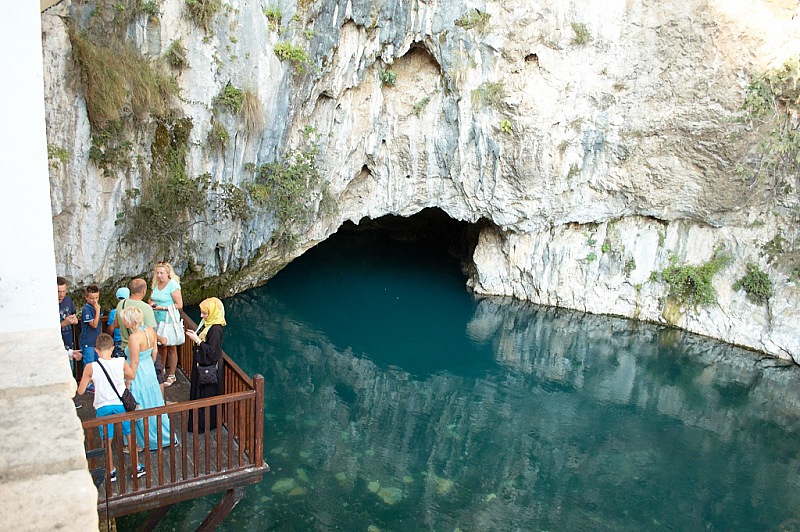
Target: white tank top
point(103, 393)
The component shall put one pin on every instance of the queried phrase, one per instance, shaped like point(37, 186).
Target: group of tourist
point(141, 341)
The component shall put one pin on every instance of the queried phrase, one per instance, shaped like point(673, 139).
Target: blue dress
point(163, 298)
point(147, 392)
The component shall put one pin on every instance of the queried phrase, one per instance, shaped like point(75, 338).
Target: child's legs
point(109, 410)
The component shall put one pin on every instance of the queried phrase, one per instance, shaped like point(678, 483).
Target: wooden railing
point(188, 465)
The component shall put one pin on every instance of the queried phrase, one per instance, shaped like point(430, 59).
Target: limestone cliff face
point(598, 139)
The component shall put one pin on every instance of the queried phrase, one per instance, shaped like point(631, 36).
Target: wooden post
point(258, 451)
point(222, 509)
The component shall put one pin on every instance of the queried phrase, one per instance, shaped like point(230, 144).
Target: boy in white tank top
point(106, 400)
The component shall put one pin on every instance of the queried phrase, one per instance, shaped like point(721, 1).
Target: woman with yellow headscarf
point(208, 366)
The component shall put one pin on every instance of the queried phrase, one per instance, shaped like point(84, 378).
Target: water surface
point(397, 401)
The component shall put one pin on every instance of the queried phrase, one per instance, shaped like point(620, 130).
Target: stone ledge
point(67, 501)
point(44, 479)
point(34, 362)
point(42, 435)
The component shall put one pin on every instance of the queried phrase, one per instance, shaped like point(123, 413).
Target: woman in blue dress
point(144, 387)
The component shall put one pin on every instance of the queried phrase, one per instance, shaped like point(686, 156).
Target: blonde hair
point(133, 316)
point(170, 272)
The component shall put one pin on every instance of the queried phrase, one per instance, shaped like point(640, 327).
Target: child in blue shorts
point(106, 400)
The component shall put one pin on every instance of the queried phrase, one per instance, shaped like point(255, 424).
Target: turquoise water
point(397, 401)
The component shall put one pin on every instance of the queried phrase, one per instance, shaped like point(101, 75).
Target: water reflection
point(570, 422)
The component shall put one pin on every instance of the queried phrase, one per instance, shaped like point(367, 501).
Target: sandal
point(170, 380)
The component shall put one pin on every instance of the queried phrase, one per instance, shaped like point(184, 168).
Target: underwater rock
point(374, 486)
point(297, 491)
point(443, 485)
point(390, 495)
point(341, 476)
point(302, 476)
point(283, 485)
point(408, 479)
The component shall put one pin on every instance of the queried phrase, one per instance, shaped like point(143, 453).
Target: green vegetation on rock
point(161, 213)
point(176, 56)
point(488, 94)
point(286, 51)
point(691, 285)
point(56, 154)
point(287, 187)
point(230, 98)
point(274, 15)
point(388, 77)
point(110, 151)
point(201, 12)
point(420, 104)
point(756, 283)
point(118, 81)
point(581, 35)
point(478, 20)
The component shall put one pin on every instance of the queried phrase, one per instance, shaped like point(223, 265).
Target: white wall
point(27, 265)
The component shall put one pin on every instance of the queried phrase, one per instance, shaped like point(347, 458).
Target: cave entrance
point(430, 232)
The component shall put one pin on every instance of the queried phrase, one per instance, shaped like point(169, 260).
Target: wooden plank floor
point(183, 459)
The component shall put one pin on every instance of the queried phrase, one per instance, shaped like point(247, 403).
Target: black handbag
point(207, 375)
point(127, 398)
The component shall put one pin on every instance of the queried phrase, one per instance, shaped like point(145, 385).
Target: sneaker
point(90, 388)
point(78, 406)
point(140, 471)
point(114, 475)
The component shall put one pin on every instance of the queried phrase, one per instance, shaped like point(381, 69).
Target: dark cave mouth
point(430, 231)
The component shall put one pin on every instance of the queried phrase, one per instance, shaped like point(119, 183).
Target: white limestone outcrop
point(594, 162)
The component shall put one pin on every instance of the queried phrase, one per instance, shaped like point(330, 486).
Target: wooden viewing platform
point(224, 459)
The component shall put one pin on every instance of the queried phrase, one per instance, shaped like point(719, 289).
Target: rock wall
point(597, 140)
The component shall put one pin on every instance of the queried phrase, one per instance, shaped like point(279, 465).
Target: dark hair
point(104, 342)
point(92, 289)
point(61, 281)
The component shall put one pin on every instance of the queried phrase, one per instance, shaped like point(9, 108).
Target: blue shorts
point(89, 355)
point(109, 410)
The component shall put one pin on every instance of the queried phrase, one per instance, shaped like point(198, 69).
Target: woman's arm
point(156, 338)
point(177, 298)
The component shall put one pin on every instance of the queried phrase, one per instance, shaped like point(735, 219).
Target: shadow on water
point(397, 401)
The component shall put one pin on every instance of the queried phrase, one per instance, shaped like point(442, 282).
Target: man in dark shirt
point(66, 313)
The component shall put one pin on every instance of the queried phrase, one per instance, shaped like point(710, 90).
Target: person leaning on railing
point(207, 355)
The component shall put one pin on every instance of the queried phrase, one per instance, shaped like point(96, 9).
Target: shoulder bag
point(172, 328)
point(128, 401)
point(207, 375)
